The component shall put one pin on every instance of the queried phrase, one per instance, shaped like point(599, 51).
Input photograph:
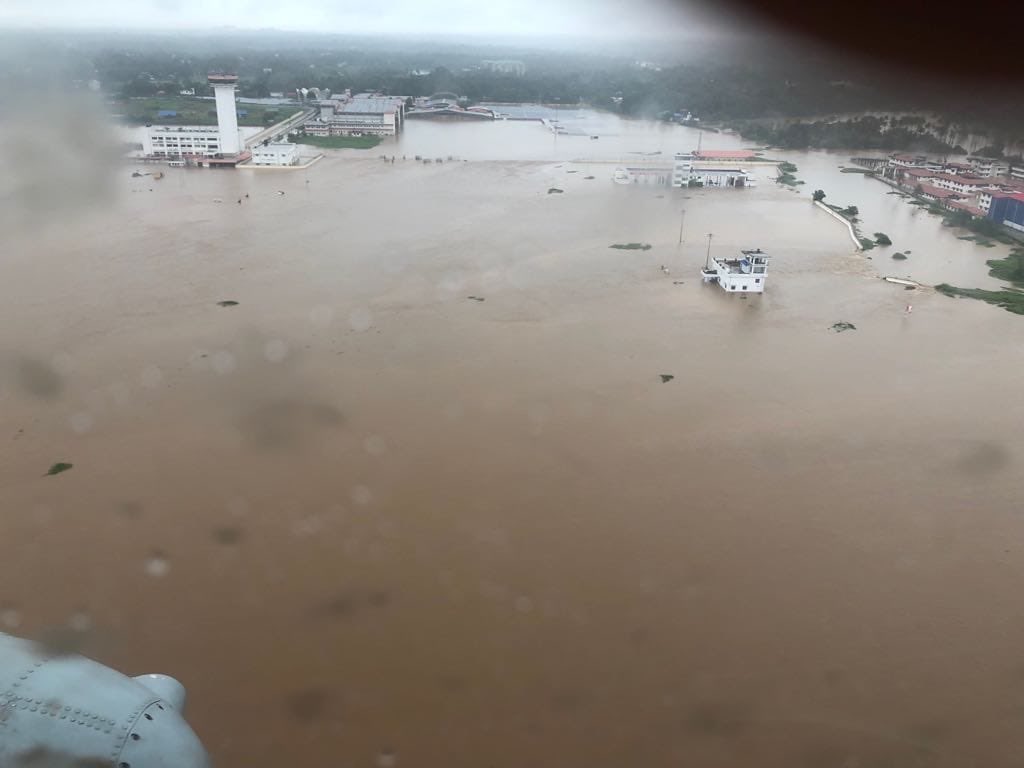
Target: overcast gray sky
point(603, 18)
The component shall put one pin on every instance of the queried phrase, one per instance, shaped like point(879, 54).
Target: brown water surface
point(370, 521)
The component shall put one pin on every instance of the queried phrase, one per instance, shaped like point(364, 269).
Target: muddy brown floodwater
point(371, 522)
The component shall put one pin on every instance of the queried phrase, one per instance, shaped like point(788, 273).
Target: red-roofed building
point(909, 161)
point(987, 166)
point(915, 161)
point(911, 177)
point(965, 185)
point(958, 205)
point(930, 192)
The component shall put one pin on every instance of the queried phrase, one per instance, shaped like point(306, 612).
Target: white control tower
point(227, 119)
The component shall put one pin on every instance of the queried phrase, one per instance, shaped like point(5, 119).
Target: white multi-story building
point(987, 166)
point(687, 169)
point(915, 161)
point(279, 153)
point(363, 114)
point(960, 184)
point(177, 141)
point(201, 141)
point(506, 66)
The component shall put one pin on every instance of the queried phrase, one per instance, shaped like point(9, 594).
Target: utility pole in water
point(682, 218)
point(707, 258)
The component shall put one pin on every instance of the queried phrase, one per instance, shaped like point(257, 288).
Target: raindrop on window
point(10, 618)
point(157, 565)
point(82, 422)
point(275, 350)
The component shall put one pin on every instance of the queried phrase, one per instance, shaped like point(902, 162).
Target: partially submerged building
point(361, 115)
point(747, 274)
point(712, 169)
point(281, 153)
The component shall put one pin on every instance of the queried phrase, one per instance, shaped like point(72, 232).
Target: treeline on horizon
point(755, 87)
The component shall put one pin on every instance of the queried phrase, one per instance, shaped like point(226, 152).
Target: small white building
point(688, 170)
point(746, 274)
point(278, 153)
point(987, 166)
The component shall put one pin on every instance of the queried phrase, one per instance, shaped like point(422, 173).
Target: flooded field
point(372, 521)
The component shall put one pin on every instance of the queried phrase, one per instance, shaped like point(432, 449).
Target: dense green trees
point(868, 132)
point(771, 92)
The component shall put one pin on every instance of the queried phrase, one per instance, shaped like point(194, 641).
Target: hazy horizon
point(532, 19)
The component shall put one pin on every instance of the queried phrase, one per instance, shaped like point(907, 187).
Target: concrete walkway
point(849, 226)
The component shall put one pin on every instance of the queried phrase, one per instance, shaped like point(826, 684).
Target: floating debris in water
point(909, 287)
point(678, 282)
point(60, 466)
point(572, 171)
point(842, 325)
point(227, 303)
point(666, 377)
point(80, 622)
point(588, 178)
point(631, 246)
point(475, 298)
point(555, 191)
point(130, 509)
point(308, 705)
point(227, 535)
point(899, 256)
point(157, 564)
